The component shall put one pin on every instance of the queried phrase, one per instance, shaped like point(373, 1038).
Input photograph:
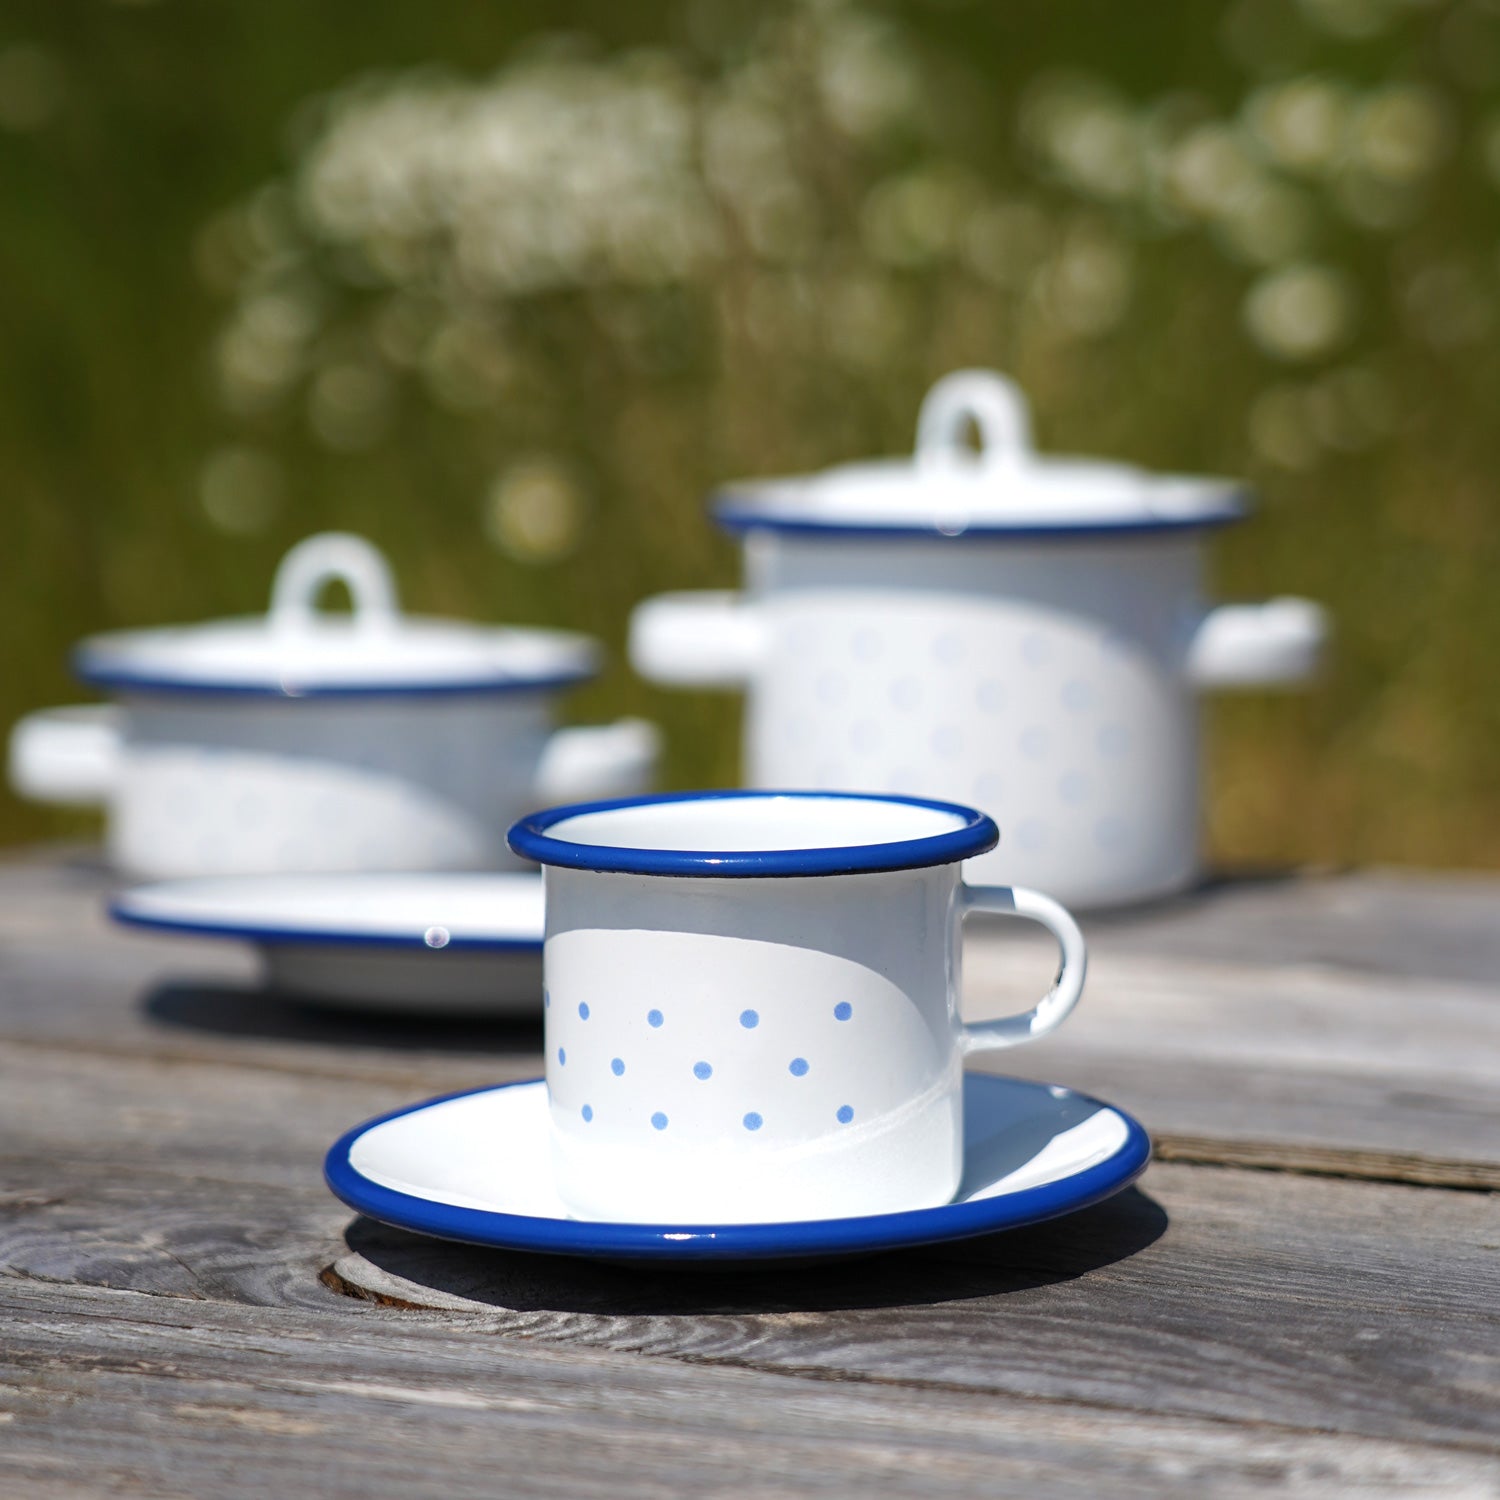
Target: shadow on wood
point(252, 1011)
point(409, 1270)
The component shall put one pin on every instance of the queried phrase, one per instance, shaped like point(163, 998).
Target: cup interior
point(759, 824)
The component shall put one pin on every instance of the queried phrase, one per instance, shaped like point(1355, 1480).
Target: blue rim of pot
point(89, 669)
point(744, 510)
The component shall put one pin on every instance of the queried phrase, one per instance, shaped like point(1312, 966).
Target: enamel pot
point(1023, 633)
point(303, 742)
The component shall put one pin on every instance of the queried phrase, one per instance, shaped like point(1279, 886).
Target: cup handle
point(1053, 1009)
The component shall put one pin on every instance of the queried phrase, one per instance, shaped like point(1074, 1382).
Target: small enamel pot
point(1025, 633)
point(752, 1001)
point(304, 742)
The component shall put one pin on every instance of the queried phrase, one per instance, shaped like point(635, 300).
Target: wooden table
point(1301, 1296)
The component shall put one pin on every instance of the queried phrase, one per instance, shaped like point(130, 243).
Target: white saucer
point(477, 1167)
point(466, 944)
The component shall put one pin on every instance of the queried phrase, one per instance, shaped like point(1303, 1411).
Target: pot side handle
point(69, 756)
point(588, 762)
point(710, 638)
point(1276, 644)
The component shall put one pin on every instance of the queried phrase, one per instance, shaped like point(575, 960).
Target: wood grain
point(1193, 1297)
point(1305, 1055)
point(1413, 924)
point(118, 1393)
point(1313, 1060)
point(1280, 1308)
point(1232, 1295)
point(1363, 1166)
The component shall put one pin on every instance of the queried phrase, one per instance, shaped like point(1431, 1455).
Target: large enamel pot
point(1025, 634)
point(305, 742)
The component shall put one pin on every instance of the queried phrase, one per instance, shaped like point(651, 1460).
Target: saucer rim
point(323, 937)
point(786, 1240)
point(121, 908)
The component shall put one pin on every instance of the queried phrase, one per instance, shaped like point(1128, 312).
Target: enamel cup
point(751, 1001)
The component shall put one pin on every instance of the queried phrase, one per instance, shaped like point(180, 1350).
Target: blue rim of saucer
point(120, 911)
point(796, 1240)
point(975, 834)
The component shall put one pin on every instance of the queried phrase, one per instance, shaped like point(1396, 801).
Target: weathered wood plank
point(1311, 1161)
point(1342, 1307)
point(1282, 1062)
point(1417, 924)
point(108, 1392)
point(1239, 1296)
point(1231, 1331)
point(1199, 1057)
point(1315, 1060)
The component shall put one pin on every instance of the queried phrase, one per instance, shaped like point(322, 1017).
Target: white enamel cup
point(751, 1001)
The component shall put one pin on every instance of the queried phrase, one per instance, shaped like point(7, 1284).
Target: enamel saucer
point(476, 1167)
point(466, 944)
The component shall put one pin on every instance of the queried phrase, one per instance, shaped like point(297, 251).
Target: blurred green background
point(507, 289)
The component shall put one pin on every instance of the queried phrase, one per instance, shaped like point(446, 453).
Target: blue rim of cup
point(975, 834)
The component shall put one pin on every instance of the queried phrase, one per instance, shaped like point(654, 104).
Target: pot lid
point(294, 651)
point(1004, 488)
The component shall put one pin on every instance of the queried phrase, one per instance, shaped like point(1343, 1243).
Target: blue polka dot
point(702, 1070)
point(753, 1121)
point(653, 1018)
point(658, 1121)
point(583, 1009)
point(562, 1057)
point(842, 1011)
point(797, 1067)
point(949, 646)
point(1111, 833)
point(588, 1113)
point(749, 1019)
point(1113, 740)
point(1034, 742)
point(616, 1066)
point(546, 1001)
point(1077, 695)
point(846, 1113)
point(1031, 834)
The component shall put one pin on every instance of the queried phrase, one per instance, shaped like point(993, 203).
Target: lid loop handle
point(994, 405)
point(319, 560)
